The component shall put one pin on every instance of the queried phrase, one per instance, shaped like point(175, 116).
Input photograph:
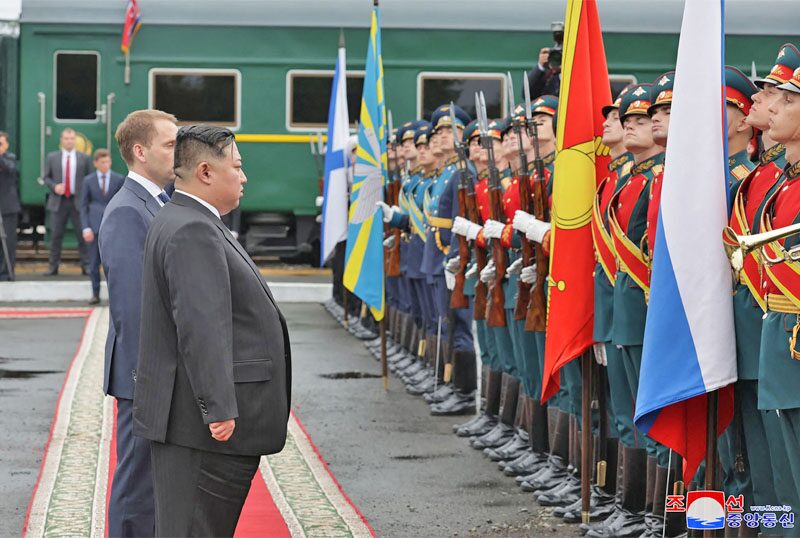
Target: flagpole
point(586, 435)
point(127, 67)
point(384, 366)
point(711, 447)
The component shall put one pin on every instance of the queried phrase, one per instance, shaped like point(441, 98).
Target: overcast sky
point(9, 10)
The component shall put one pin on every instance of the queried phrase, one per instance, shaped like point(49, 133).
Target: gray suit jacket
point(121, 240)
point(53, 175)
point(214, 345)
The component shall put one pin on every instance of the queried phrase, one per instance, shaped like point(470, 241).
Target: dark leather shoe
point(497, 436)
point(509, 451)
point(423, 387)
point(625, 525)
point(600, 508)
point(484, 425)
point(441, 394)
point(53, 271)
point(94, 300)
point(531, 463)
point(421, 375)
point(470, 422)
point(457, 404)
point(564, 495)
point(84, 271)
point(548, 478)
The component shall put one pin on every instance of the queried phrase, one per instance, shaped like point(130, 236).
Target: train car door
point(76, 101)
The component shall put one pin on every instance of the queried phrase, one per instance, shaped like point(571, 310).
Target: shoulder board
point(740, 172)
point(657, 169)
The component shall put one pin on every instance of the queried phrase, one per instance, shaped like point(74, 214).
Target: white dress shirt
point(151, 187)
point(205, 204)
point(73, 166)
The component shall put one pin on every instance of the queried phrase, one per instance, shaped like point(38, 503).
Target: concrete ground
point(405, 470)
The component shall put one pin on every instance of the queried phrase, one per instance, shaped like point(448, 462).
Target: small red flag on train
point(133, 21)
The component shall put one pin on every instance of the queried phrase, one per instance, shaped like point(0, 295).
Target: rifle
point(536, 319)
point(496, 316)
point(479, 310)
point(392, 195)
point(523, 289)
point(457, 298)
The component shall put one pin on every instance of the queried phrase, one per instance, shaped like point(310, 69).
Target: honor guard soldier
point(778, 368)
point(627, 217)
point(767, 458)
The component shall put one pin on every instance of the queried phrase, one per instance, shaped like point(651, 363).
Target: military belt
point(780, 303)
point(439, 222)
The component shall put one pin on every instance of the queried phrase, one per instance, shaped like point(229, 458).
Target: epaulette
point(740, 172)
point(772, 153)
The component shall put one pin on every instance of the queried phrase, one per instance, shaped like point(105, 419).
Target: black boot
point(504, 430)
point(556, 470)
point(630, 522)
point(617, 502)
point(490, 413)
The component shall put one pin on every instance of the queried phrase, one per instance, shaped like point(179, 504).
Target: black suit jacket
point(94, 202)
point(53, 175)
point(214, 345)
point(9, 190)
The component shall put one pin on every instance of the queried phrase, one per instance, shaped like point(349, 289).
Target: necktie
point(103, 179)
point(67, 179)
point(163, 196)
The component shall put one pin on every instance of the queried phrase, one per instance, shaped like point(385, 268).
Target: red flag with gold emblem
point(581, 161)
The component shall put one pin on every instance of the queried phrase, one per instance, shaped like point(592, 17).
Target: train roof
point(626, 16)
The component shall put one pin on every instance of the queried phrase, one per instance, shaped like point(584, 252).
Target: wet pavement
point(405, 470)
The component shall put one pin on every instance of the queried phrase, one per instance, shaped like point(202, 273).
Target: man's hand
point(453, 265)
point(88, 235)
point(544, 57)
point(489, 272)
point(515, 268)
point(528, 275)
point(59, 188)
point(222, 431)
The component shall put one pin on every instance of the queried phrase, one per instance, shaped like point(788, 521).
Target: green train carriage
point(264, 69)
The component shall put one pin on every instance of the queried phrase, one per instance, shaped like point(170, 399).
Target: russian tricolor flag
point(689, 345)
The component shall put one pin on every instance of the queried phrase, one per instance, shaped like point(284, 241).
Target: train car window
point(309, 95)
point(618, 83)
point(434, 89)
point(209, 96)
point(76, 81)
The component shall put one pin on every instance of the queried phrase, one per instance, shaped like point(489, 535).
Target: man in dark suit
point(64, 171)
point(98, 188)
point(9, 207)
point(146, 141)
point(213, 386)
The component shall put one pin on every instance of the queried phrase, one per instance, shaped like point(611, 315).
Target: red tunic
point(784, 210)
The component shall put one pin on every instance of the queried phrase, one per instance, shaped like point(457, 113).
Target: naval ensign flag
point(334, 205)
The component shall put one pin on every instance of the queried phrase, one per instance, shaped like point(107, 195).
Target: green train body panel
point(282, 177)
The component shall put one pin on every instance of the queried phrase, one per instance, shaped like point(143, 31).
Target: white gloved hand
point(536, 230)
point(600, 354)
point(472, 270)
point(453, 264)
point(493, 229)
point(489, 272)
point(235, 234)
point(319, 201)
point(515, 268)
point(389, 241)
point(388, 212)
point(522, 220)
point(528, 275)
point(318, 219)
point(466, 228)
point(449, 280)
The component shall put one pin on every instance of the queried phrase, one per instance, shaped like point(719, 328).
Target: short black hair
point(194, 143)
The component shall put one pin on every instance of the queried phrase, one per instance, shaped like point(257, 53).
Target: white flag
point(335, 196)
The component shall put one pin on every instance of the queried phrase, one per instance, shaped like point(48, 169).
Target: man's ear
point(742, 126)
point(204, 172)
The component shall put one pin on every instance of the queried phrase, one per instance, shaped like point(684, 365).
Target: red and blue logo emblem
point(705, 510)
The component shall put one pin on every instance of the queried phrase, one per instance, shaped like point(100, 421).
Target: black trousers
point(199, 493)
point(131, 509)
point(58, 223)
point(94, 266)
point(10, 227)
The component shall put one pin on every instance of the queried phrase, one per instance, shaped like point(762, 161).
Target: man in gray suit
point(98, 188)
point(64, 171)
point(9, 206)
point(213, 386)
point(146, 141)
